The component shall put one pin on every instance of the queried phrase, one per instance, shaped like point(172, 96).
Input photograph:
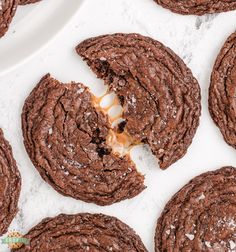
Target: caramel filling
point(119, 140)
point(121, 143)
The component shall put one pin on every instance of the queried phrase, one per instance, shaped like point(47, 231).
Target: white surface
point(33, 27)
point(196, 39)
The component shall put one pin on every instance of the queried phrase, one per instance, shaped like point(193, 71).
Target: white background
point(196, 39)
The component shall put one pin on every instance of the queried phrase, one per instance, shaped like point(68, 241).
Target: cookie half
point(10, 185)
point(196, 7)
point(65, 137)
point(201, 216)
point(222, 91)
point(159, 95)
point(23, 2)
point(7, 12)
point(83, 232)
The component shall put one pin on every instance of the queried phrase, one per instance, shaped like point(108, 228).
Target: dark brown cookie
point(65, 137)
point(198, 7)
point(160, 96)
point(201, 216)
point(23, 2)
point(7, 11)
point(83, 232)
point(10, 185)
point(222, 91)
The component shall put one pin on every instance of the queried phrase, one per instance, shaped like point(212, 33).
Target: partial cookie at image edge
point(201, 216)
point(87, 232)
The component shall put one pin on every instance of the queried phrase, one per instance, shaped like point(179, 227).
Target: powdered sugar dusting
point(227, 222)
point(80, 90)
point(132, 101)
point(232, 224)
point(208, 244)
point(232, 244)
point(190, 236)
point(50, 131)
point(202, 197)
point(103, 59)
point(168, 231)
point(73, 162)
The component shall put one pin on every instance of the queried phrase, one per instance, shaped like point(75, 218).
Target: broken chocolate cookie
point(198, 7)
point(7, 12)
point(10, 185)
point(159, 95)
point(201, 216)
point(222, 91)
point(82, 232)
point(65, 136)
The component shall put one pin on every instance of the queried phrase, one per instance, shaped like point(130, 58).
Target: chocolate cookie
point(201, 216)
point(65, 137)
point(10, 185)
point(222, 91)
point(198, 7)
point(7, 11)
point(23, 2)
point(83, 232)
point(159, 95)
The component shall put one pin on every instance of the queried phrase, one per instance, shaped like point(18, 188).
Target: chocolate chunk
point(198, 7)
point(23, 2)
point(65, 137)
point(83, 232)
point(10, 185)
point(222, 91)
point(160, 96)
point(7, 12)
point(201, 216)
